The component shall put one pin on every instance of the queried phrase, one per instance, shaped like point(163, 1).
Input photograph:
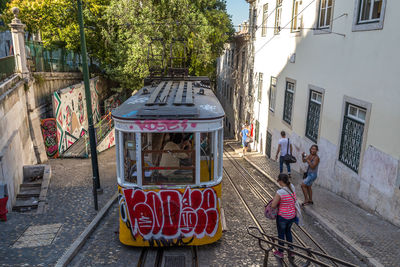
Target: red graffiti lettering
point(171, 214)
point(162, 125)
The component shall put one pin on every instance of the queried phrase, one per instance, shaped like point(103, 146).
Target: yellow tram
point(169, 143)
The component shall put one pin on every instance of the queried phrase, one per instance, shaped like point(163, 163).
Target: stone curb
point(80, 241)
point(348, 242)
point(44, 189)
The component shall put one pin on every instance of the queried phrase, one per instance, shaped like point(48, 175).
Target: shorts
point(245, 144)
point(311, 177)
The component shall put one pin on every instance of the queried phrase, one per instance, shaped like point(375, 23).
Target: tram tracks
point(168, 257)
point(260, 192)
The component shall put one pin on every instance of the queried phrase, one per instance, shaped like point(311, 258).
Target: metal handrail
point(262, 237)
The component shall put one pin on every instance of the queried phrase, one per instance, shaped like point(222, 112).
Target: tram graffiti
point(170, 214)
point(164, 125)
point(49, 132)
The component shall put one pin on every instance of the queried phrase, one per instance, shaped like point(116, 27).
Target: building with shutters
point(234, 87)
point(325, 71)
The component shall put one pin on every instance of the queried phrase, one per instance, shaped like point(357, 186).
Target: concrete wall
point(45, 84)
point(359, 67)
point(16, 145)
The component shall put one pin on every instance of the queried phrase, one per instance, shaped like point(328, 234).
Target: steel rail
point(266, 201)
point(195, 258)
point(142, 259)
point(324, 254)
point(259, 227)
point(257, 191)
point(302, 242)
point(159, 257)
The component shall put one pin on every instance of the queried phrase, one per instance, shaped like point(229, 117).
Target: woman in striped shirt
point(285, 199)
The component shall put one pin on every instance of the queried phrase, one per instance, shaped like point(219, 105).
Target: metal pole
point(92, 135)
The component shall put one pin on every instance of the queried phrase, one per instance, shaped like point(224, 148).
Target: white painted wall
point(16, 146)
point(362, 65)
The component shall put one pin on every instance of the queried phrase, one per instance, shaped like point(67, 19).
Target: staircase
point(33, 190)
point(29, 192)
point(81, 148)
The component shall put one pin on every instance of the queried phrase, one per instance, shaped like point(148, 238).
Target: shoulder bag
point(289, 158)
point(270, 212)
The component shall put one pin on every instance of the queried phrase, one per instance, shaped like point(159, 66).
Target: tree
point(57, 21)
point(131, 24)
point(3, 7)
point(118, 32)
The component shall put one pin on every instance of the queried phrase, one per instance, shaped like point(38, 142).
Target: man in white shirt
point(283, 150)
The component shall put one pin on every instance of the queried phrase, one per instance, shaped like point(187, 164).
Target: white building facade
point(325, 71)
point(234, 88)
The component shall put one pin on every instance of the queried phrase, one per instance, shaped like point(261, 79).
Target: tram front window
point(168, 158)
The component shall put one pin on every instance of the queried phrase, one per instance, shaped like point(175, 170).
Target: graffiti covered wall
point(107, 142)
point(49, 132)
point(70, 112)
point(169, 217)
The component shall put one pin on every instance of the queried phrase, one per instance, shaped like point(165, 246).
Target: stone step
point(26, 192)
point(31, 185)
point(26, 204)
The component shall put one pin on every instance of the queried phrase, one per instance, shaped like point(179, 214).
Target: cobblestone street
point(70, 206)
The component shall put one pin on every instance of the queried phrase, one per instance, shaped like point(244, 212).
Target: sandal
point(306, 203)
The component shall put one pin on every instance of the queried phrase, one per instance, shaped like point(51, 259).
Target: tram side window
point(168, 158)
point(206, 157)
point(130, 172)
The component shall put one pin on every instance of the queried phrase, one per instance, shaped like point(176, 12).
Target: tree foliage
point(131, 25)
point(118, 32)
point(57, 22)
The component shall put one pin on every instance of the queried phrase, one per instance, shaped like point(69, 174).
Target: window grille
point(352, 136)
point(288, 104)
point(313, 115)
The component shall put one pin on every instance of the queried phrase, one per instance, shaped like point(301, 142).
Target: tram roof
point(190, 98)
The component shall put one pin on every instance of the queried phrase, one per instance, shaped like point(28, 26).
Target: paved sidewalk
point(30, 239)
point(367, 235)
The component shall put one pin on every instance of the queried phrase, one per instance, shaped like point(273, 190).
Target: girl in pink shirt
point(285, 199)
